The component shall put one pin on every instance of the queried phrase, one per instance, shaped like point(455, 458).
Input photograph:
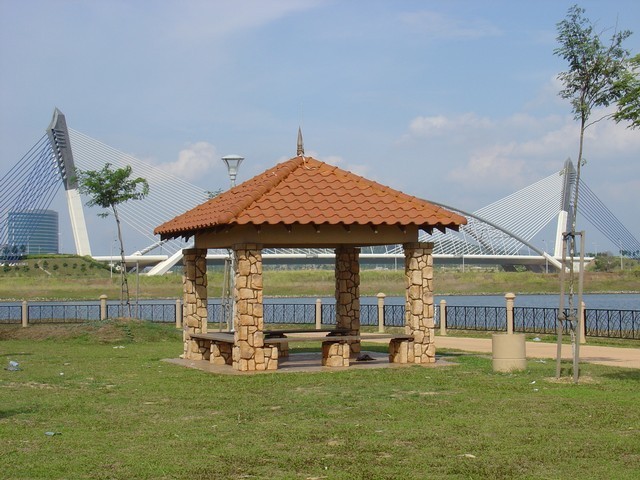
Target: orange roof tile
point(304, 190)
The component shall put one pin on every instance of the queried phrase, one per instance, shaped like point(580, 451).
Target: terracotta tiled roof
point(304, 190)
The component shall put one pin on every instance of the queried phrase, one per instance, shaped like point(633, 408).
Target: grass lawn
point(123, 414)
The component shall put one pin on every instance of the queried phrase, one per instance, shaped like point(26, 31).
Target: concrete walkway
point(613, 356)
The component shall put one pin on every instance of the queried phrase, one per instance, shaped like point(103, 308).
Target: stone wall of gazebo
point(249, 352)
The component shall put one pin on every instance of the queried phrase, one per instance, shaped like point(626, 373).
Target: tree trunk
point(124, 285)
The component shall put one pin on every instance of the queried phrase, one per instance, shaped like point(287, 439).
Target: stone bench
point(217, 347)
point(335, 348)
point(283, 347)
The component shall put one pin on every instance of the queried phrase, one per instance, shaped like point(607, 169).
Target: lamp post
point(233, 163)
point(228, 307)
point(620, 245)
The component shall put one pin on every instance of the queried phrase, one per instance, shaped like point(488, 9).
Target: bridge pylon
point(61, 146)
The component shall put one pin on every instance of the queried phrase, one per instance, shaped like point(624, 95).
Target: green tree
point(108, 188)
point(600, 74)
point(629, 102)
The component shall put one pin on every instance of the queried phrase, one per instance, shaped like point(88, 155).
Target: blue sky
point(451, 101)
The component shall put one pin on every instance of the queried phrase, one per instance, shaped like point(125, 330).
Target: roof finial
point(300, 152)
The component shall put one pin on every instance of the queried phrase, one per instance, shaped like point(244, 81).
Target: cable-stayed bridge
point(500, 233)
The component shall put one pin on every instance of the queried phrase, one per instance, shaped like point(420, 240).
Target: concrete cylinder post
point(508, 352)
point(443, 318)
point(318, 313)
point(25, 314)
point(583, 324)
point(178, 314)
point(510, 297)
point(103, 307)
point(381, 297)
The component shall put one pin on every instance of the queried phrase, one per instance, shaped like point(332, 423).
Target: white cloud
point(440, 125)
point(200, 20)
point(193, 162)
point(548, 96)
point(542, 150)
point(491, 167)
point(437, 25)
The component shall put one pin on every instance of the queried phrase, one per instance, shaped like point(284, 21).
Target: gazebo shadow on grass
point(309, 361)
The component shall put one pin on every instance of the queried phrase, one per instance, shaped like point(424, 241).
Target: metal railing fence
point(10, 314)
point(293, 313)
point(476, 318)
point(541, 320)
point(536, 320)
point(613, 323)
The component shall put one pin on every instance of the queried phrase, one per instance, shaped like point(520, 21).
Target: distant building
point(33, 232)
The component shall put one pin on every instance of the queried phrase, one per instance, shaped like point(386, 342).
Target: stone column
point(443, 318)
point(194, 287)
point(381, 297)
point(510, 298)
point(419, 309)
point(103, 307)
point(347, 274)
point(249, 351)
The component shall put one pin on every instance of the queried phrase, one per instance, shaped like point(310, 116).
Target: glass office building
point(33, 231)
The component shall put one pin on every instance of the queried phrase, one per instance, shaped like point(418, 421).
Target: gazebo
point(304, 202)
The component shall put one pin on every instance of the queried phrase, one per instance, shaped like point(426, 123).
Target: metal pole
point(232, 162)
point(620, 245)
point(137, 289)
point(576, 350)
point(561, 314)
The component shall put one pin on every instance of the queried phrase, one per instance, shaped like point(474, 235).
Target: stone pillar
point(194, 287)
point(318, 313)
point(443, 317)
point(178, 314)
point(249, 351)
point(381, 297)
point(25, 314)
point(347, 274)
point(510, 300)
point(103, 307)
point(419, 309)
